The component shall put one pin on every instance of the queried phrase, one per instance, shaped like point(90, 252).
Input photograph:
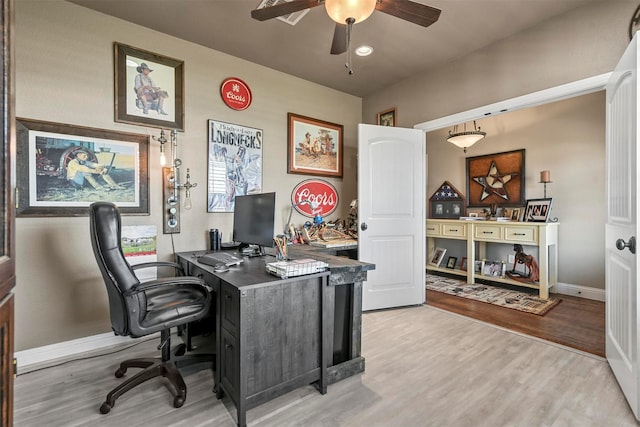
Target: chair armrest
point(169, 282)
point(177, 266)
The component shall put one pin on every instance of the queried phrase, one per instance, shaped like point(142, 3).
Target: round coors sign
point(322, 195)
point(235, 93)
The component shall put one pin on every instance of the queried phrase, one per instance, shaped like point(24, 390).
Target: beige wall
point(64, 73)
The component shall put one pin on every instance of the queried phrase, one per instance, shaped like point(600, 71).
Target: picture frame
point(446, 202)
point(438, 256)
point(537, 210)
point(160, 102)
point(451, 262)
point(493, 268)
point(63, 168)
point(477, 266)
point(314, 146)
point(496, 179)
point(232, 169)
point(515, 214)
point(463, 264)
point(387, 117)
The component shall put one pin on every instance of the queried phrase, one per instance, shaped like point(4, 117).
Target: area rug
point(504, 297)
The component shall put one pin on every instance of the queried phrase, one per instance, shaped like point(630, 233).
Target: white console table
point(542, 235)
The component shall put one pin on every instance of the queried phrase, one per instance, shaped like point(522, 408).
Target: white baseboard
point(41, 356)
point(579, 291)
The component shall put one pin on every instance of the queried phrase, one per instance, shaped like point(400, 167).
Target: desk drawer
point(209, 278)
point(434, 229)
point(454, 230)
point(522, 234)
point(487, 232)
point(229, 308)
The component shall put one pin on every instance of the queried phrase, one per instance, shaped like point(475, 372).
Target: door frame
point(546, 96)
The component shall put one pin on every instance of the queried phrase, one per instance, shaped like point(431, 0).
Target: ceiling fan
point(348, 12)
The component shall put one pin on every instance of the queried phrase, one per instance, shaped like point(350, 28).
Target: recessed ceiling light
point(364, 50)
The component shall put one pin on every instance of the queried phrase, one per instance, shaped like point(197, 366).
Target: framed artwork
point(451, 262)
point(149, 88)
point(438, 256)
point(463, 264)
point(315, 146)
point(515, 214)
point(446, 203)
point(62, 169)
point(387, 117)
point(493, 268)
point(233, 168)
point(537, 210)
point(496, 179)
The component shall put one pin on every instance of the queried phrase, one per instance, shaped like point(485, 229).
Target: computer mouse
point(220, 268)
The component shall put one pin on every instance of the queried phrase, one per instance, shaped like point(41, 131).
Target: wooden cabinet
point(7, 210)
point(271, 339)
point(478, 234)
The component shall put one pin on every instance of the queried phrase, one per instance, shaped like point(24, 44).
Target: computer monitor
point(253, 218)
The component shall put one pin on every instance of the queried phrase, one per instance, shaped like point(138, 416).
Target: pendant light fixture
point(465, 138)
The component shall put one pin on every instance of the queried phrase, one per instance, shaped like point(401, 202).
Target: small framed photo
point(537, 210)
point(477, 266)
point(451, 262)
point(463, 264)
point(149, 88)
point(515, 214)
point(493, 268)
point(438, 256)
point(387, 117)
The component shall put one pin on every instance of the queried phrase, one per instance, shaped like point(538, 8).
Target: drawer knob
point(487, 232)
point(519, 234)
point(454, 229)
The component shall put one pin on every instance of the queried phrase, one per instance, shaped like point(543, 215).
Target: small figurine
point(529, 262)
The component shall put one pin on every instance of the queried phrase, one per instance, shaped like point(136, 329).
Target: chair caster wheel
point(120, 373)
point(178, 401)
point(105, 408)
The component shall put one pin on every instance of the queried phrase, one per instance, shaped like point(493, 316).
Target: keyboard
point(216, 258)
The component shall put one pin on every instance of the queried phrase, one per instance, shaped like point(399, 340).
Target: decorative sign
point(234, 164)
point(322, 198)
point(235, 93)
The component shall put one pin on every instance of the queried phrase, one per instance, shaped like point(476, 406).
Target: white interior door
point(391, 213)
point(622, 226)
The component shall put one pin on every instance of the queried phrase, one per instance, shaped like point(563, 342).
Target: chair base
point(152, 368)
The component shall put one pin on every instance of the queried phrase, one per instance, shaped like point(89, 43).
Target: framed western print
point(314, 146)
point(62, 169)
point(149, 88)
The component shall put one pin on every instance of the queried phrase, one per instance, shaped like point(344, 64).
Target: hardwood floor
point(425, 367)
point(576, 322)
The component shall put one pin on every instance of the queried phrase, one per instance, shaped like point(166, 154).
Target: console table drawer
point(487, 232)
point(522, 234)
point(434, 229)
point(455, 230)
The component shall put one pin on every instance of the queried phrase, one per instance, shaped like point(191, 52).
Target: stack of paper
point(298, 267)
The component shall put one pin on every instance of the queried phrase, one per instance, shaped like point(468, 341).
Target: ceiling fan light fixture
point(465, 139)
point(341, 10)
point(364, 50)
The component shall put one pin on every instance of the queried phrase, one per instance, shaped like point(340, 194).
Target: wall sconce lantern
point(171, 183)
point(465, 138)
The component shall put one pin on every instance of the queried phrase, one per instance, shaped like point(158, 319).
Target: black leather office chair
point(138, 309)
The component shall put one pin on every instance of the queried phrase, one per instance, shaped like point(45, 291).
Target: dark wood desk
point(274, 335)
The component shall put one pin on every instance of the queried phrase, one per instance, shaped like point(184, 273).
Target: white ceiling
point(402, 49)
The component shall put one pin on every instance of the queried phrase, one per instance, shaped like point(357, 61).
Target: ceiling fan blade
point(281, 9)
point(339, 43)
point(409, 11)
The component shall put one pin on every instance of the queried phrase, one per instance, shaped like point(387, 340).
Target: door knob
point(631, 244)
point(363, 226)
